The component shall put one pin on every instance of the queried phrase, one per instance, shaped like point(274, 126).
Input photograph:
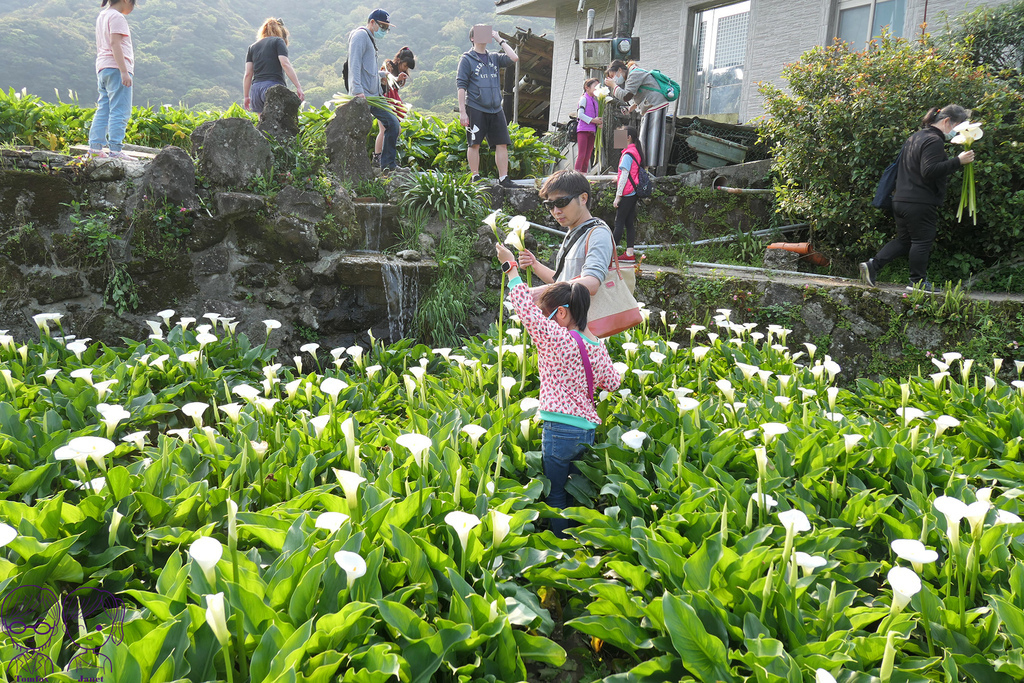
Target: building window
point(860, 22)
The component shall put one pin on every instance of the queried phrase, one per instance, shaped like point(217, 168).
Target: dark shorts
point(258, 94)
point(483, 125)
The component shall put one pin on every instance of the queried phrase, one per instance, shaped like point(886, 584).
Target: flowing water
point(402, 289)
point(372, 223)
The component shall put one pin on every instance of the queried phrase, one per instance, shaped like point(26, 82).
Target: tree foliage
point(993, 36)
point(193, 54)
point(845, 116)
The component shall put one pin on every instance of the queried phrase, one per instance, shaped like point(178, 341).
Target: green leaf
point(539, 649)
point(621, 632)
point(702, 654)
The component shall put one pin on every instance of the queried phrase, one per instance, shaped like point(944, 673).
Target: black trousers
point(625, 219)
point(916, 226)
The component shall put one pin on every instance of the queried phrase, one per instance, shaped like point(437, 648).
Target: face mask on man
point(379, 33)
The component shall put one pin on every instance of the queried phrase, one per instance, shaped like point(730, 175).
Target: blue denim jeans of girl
point(113, 109)
point(560, 445)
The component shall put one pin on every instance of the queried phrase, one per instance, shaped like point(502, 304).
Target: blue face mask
point(379, 33)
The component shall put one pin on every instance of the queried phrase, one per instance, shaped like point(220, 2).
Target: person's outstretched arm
point(288, 69)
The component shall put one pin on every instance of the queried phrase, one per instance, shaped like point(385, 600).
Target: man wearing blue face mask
point(365, 76)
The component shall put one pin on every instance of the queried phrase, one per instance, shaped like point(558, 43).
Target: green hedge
point(843, 119)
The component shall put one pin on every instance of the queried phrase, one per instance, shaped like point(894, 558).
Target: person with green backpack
point(650, 92)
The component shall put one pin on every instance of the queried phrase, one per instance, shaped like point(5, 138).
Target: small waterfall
point(402, 290)
point(372, 221)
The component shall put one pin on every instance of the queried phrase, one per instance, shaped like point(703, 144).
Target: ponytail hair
point(405, 56)
point(953, 112)
point(589, 82)
point(273, 27)
point(634, 135)
point(573, 295)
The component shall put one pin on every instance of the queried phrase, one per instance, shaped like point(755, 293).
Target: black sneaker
point(924, 286)
point(375, 161)
point(475, 178)
point(867, 273)
point(507, 182)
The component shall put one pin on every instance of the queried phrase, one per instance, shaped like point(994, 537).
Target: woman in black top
point(266, 64)
point(920, 191)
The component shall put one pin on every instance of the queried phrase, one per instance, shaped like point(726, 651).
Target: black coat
point(924, 168)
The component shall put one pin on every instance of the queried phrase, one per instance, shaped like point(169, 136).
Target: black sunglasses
point(561, 202)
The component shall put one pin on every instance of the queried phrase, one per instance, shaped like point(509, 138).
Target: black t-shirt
point(264, 55)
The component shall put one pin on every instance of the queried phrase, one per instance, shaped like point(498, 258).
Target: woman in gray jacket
point(629, 83)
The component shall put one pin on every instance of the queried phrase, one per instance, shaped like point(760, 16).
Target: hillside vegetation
point(193, 54)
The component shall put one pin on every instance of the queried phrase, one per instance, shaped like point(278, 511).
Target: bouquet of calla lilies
point(396, 107)
point(966, 133)
point(602, 93)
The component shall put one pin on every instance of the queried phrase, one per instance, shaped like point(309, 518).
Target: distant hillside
point(193, 53)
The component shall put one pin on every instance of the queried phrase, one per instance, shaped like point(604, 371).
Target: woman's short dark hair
point(573, 295)
point(954, 112)
point(566, 182)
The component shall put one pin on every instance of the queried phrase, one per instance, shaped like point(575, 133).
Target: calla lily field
point(365, 515)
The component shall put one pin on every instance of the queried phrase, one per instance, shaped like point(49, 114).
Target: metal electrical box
point(595, 53)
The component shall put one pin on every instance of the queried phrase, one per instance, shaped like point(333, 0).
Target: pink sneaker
point(118, 155)
point(96, 154)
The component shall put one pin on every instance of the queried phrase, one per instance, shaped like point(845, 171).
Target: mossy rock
point(38, 198)
point(13, 291)
point(281, 238)
point(160, 287)
point(256, 276)
point(103, 324)
point(48, 286)
point(24, 245)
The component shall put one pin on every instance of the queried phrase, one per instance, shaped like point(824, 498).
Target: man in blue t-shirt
point(480, 111)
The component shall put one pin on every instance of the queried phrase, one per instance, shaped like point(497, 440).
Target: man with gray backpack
point(650, 92)
point(362, 78)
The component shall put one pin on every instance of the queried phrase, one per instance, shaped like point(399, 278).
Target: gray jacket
point(363, 72)
point(644, 89)
point(587, 257)
point(478, 76)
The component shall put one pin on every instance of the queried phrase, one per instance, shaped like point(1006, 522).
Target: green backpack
point(666, 86)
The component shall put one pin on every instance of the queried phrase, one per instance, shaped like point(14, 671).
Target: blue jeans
point(389, 122)
point(113, 109)
point(560, 445)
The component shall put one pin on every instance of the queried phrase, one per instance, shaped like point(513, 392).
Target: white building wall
point(780, 31)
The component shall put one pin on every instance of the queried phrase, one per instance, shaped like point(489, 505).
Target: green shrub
point(441, 315)
point(451, 196)
point(844, 118)
point(427, 142)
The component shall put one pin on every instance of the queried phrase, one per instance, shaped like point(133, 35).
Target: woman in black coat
point(920, 191)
